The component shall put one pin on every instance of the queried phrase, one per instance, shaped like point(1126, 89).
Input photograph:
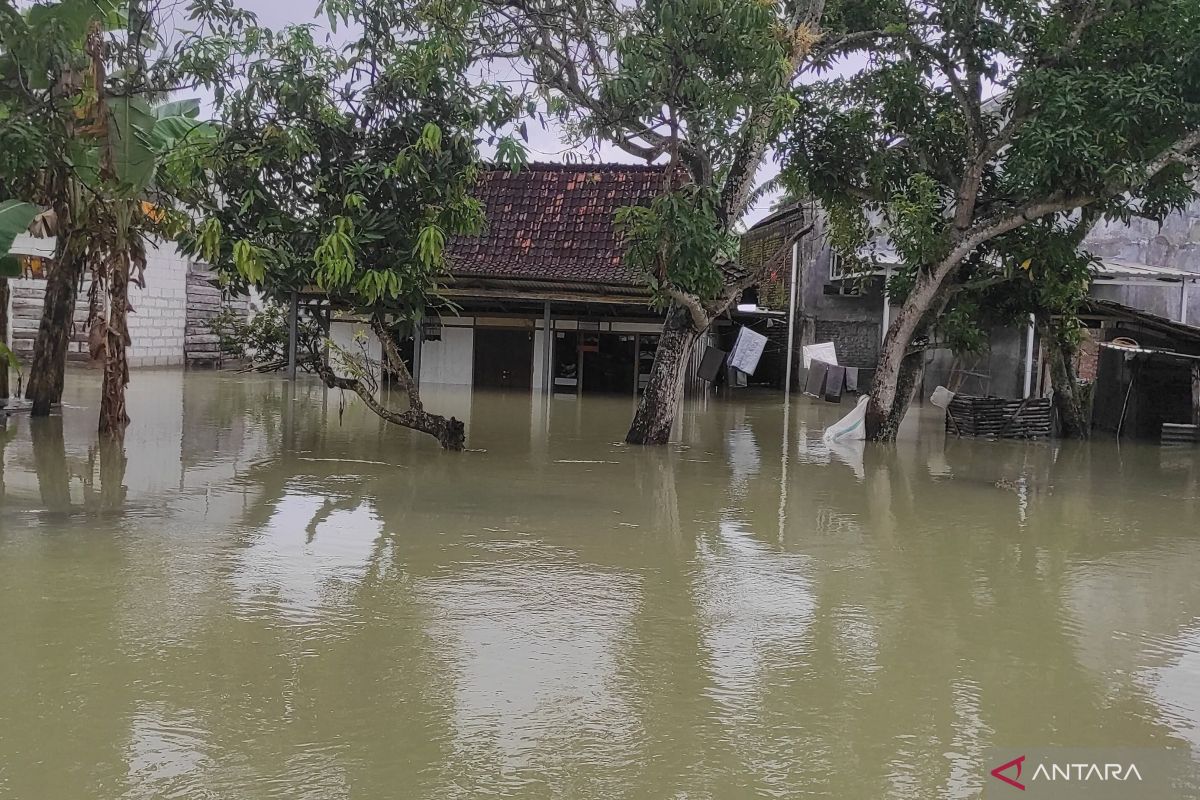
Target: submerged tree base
point(660, 402)
point(451, 433)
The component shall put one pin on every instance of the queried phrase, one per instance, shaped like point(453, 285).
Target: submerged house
point(1144, 267)
point(545, 301)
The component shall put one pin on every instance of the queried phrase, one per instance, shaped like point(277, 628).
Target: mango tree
point(972, 122)
point(705, 87)
point(343, 170)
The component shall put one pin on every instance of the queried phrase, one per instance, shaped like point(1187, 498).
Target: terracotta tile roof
point(554, 222)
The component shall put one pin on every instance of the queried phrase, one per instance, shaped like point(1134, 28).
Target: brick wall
point(857, 342)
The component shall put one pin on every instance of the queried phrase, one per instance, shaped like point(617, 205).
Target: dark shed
point(1148, 373)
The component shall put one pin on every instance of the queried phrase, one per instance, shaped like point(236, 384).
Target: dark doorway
point(609, 362)
point(566, 362)
point(503, 358)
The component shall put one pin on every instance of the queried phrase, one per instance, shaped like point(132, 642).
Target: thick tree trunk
point(54, 334)
point(898, 372)
point(1068, 396)
point(4, 366)
point(908, 382)
point(659, 404)
point(113, 414)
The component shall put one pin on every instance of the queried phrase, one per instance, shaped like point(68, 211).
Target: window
point(34, 266)
point(837, 268)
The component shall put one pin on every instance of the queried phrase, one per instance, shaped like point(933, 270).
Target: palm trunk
point(1068, 396)
point(54, 333)
point(113, 414)
point(660, 403)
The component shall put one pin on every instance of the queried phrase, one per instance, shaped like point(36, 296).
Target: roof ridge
point(602, 166)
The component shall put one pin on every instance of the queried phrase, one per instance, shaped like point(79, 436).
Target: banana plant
point(15, 218)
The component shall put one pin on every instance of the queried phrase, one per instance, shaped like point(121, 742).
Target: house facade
point(544, 300)
point(1144, 266)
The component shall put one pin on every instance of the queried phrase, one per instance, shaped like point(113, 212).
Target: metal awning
point(1121, 272)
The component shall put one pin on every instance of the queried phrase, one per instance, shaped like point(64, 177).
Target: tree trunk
point(450, 433)
point(659, 404)
point(54, 334)
point(4, 367)
point(899, 369)
point(908, 382)
point(1068, 397)
point(113, 414)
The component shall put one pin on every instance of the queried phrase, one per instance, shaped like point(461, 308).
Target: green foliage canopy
point(349, 168)
point(970, 122)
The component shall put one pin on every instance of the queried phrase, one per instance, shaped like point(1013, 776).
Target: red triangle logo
point(998, 772)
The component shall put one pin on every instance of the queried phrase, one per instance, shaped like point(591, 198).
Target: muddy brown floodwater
point(268, 595)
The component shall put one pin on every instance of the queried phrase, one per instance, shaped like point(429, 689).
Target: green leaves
point(8, 359)
point(335, 256)
point(15, 217)
point(431, 241)
point(431, 137)
point(676, 242)
point(511, 153)
point(248, 259)
point(134, 149)
point(350, 166)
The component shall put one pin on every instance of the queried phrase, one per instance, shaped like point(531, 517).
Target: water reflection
point(270, 593)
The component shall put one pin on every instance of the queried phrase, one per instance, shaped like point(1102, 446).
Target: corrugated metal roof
point(1117, 268)
point(1111, 309)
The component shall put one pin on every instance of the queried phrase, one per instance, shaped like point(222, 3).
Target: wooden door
point(503, 358)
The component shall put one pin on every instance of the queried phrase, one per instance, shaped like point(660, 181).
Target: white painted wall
point(451, 360)
point(159, 316)
point(345, 333)
point(539, 344)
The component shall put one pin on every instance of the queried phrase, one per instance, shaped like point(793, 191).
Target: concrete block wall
point(25, 315)
point(160, 310)
point(156, 324)
point(1173, 243)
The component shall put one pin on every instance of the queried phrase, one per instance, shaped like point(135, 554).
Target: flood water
point(270, 595)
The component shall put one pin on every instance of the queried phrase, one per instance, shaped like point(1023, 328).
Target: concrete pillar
point(293, 314)
point(547, 348)
point(791, 336)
